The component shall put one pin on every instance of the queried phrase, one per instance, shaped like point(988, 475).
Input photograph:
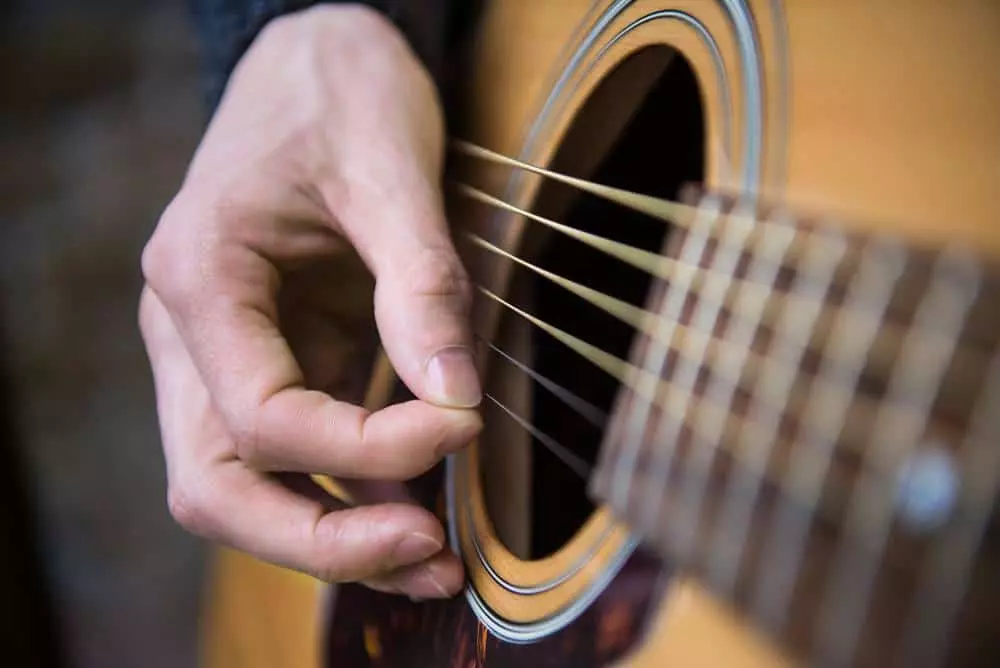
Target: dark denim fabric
point(227, 28)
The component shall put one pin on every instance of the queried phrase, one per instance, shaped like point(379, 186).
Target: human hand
point(328, 140)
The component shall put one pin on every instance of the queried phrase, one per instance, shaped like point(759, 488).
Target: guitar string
point(628, 375)
point(640, 258)
point(716, 348)
point(722, 390)
point(634, 311)
point(622, 310)
point(605, 364)
point(667, 433)
point(658, 208)
point(827, 509)
point(542, 325)
point(576, 463)
point(665, 210)
point(582, 407)
point(692, 248)
point(741, 495)
point(827, 410)
point(826, 506)
point(716, 284)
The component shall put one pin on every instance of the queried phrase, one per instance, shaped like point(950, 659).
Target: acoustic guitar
point(738, 321)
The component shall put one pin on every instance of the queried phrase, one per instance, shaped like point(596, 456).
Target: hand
point(328, 141)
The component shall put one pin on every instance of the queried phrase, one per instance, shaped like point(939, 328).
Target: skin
point(314, 195)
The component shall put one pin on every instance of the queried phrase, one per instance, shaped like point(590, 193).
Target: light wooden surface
point(695, 631)
point(894, 121)
point(259, 615)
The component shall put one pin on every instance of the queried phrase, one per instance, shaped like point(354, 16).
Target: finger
point(235, 506)
point(229, 328)
point(441, 576)
point(216, 496)
point(396, 443)
point(422, 294)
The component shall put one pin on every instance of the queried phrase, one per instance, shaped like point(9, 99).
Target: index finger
point(230, 330)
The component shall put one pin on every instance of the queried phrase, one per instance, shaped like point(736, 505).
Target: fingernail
point(452, 378)
point(423, 585)
point(414, 548)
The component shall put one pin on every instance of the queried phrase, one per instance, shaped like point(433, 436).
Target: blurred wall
point(100, 111)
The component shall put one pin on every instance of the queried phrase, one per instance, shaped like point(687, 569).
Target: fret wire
point(826, 409)
point(692, 250)
point(581, 406)
point(766, 261)
point(900, 423)
point(794, 328)
point(576, 463)
point(668, 428)
point(945, 576)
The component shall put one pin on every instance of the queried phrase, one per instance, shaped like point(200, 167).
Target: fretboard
point(825, 454)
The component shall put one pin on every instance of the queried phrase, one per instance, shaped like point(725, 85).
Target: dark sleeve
point(227, 27)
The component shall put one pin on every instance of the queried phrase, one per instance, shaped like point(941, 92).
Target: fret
point(946, 574)
point(691, 251)
point(707, 430)
point(829, 399)
point(900, 425)
point(667, 432)
point(769, 396)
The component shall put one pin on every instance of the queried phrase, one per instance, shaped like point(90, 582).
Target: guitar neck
point(821, 449)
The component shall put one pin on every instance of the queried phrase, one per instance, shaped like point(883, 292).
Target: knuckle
point(168, 263)
point(147, 314)
point(152, 261)
point(245, 429)
point(189, 508)
point(282, 32)
point(319, 562)
point(436, 272)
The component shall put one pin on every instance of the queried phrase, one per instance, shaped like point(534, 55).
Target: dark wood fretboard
point(816, 436)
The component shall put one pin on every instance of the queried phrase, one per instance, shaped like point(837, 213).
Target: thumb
point(423, 296)
point(422, 304)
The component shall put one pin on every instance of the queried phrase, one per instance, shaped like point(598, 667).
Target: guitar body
point(883, 115)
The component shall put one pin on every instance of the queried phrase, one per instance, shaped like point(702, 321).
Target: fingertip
point(409, 438)
point(439, 577)
point(355, 543)
point(415, 546)
point(466, 425)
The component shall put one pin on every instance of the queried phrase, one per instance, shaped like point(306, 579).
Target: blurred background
point(101, 107)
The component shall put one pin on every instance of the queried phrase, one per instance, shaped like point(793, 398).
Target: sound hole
point(641, 129)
